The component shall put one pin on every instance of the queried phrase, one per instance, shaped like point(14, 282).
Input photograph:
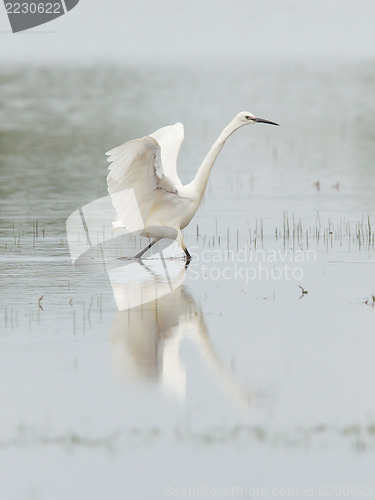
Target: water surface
point(221, 382)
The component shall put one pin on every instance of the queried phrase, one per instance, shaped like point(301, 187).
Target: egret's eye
point(247, 117)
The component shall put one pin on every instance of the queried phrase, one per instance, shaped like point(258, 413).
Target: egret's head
point(245, 118)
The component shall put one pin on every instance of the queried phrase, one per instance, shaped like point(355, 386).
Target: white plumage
point(148, 168)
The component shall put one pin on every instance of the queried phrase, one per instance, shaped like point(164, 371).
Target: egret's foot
point(142, 252)
point(188, 256)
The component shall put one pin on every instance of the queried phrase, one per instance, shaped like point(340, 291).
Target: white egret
point(149, 166)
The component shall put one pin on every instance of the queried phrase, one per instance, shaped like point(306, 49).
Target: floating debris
point(39, 303)
point(370, 302)
point(317, 185)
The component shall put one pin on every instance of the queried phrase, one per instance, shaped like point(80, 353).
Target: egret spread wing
point(170, 139)
point(136, 167)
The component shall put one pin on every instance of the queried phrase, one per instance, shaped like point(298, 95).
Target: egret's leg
point(181, 242)
point(188, 256)
point(139, 255)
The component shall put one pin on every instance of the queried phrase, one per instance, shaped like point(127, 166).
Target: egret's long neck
point(201, 178)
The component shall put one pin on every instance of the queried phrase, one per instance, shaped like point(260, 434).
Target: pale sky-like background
point(193, 30)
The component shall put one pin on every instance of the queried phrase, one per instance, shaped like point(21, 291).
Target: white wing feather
point(136, 167)
point(170, 139)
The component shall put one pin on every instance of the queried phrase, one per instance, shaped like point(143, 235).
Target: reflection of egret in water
point(146, 339)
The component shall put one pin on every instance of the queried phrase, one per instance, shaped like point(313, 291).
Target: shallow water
point(236, 378)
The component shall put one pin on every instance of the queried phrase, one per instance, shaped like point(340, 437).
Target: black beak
point(260, 120)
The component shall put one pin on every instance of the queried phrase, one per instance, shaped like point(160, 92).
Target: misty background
point(192, 30)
